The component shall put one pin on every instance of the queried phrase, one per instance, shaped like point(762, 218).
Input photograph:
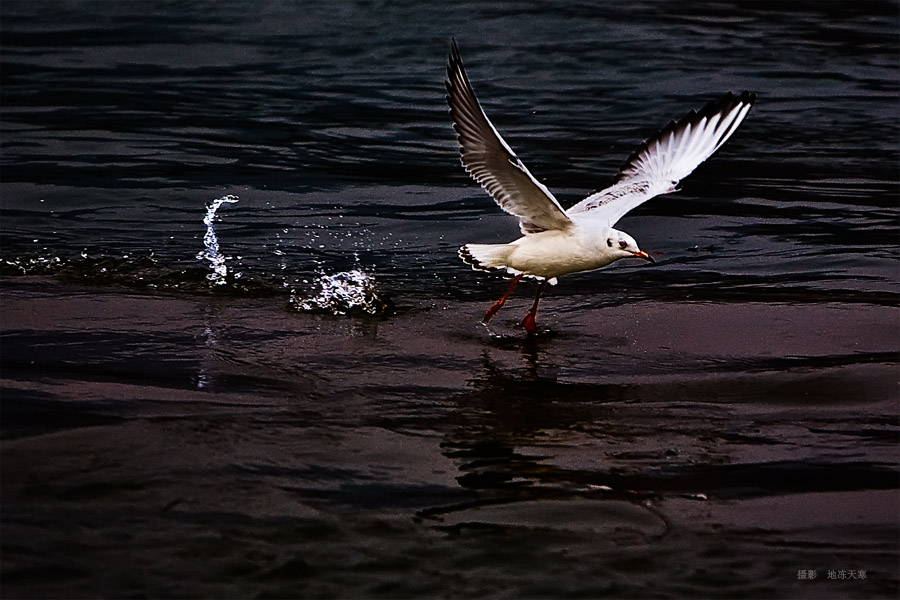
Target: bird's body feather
point(546, 254)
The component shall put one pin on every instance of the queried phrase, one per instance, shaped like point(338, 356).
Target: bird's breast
point(555, 253)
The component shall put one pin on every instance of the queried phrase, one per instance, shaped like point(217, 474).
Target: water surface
point(711, 426)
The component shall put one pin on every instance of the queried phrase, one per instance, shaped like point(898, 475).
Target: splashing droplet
point(210, 241)
point(344, 293)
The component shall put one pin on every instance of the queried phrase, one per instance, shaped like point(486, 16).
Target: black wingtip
point(456, 71)
point(454, 53)
point(454, 62)
point(747, 96)
point(457, 79)
point(729, 99)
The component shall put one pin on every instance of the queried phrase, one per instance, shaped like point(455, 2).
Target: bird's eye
point(623, 244)
point(609, 242)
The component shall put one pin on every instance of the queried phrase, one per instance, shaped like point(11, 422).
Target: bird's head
point(623, 245)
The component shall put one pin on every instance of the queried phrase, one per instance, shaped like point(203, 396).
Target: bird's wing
point(493, 164)
point(665, 159)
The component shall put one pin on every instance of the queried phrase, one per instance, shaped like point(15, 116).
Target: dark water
point(718, 425)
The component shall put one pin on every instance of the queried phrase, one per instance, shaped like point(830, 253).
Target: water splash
point(31, 266)
point(344, 293)
point(210, 241)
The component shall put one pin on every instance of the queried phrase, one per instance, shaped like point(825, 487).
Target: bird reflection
point(514, 420)
point(521, 434)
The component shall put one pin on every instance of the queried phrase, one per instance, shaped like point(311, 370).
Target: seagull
point(557, 242)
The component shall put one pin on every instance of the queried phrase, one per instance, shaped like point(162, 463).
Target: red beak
point(643, 255)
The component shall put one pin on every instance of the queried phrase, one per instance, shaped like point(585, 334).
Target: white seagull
point(556, 241)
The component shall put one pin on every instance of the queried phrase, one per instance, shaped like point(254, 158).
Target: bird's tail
point(486, 257)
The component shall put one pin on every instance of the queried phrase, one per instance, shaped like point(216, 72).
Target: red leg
point(489, 314)
point(529, 321)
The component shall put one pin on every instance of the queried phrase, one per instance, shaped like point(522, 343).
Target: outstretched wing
point(492, 163)
point(665, 159)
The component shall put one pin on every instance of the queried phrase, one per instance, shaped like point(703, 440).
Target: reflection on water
point(527, 434)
